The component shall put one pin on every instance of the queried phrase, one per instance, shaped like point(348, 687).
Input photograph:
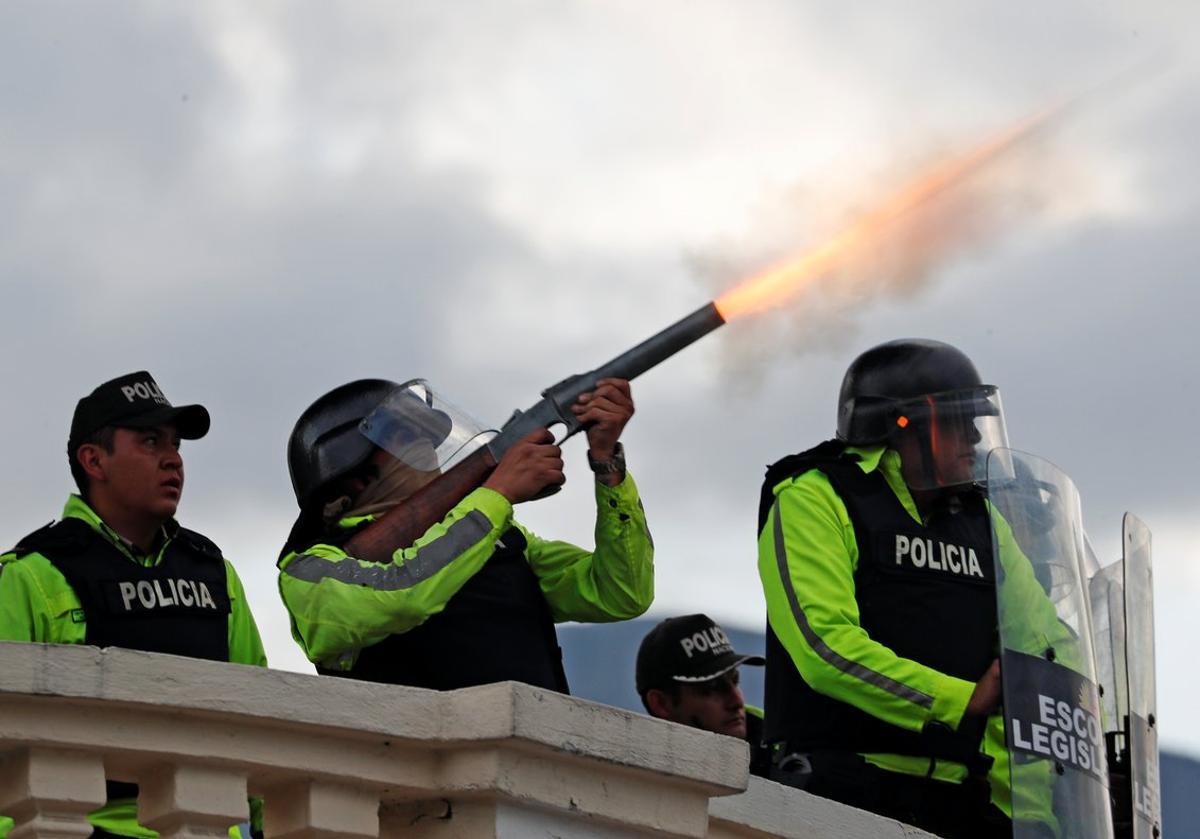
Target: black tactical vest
point(496, 628)
point(760, 754)
point(180, 606)
point(927, 592)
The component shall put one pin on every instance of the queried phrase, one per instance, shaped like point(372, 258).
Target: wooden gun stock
point(405, 523)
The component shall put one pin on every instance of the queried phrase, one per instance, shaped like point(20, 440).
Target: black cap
point(691, 648)
point(134, 401)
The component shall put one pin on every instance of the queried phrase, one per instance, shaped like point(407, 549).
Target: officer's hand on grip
point(527, 468)
point(604, 413)
point(986, 695)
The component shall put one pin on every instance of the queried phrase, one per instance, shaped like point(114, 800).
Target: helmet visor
point(944, 438)
point(422, 430)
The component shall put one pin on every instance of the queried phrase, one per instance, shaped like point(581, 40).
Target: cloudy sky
point(258, 202)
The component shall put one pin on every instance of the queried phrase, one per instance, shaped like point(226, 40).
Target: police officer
point(875, 554)
point(118, 570)
point(475, 599)
point(687, 672)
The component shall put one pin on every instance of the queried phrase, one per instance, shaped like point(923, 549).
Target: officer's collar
point(870, 457)
point(77, 508)
point(886, 462)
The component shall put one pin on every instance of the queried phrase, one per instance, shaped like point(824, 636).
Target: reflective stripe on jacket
point(339, 605)
point(815, 615)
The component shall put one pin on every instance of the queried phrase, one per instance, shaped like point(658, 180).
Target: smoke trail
point(864, 253)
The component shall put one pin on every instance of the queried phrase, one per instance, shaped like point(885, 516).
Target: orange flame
point(779, 284)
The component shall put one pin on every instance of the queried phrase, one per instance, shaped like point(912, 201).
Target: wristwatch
point(613, 466)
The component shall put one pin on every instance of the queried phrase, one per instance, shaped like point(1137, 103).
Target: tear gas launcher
point(404, 524)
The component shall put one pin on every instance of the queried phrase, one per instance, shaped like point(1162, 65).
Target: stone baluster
point(49, 792)
point(314, 809)
point(192, 801)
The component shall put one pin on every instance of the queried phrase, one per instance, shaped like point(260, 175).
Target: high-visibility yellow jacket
point(340, 605)
point(821, 555)
point(38, 605)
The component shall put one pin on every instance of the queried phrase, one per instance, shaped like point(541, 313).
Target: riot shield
point(1139, 640)
point(1051, 700)
point(1107, 591)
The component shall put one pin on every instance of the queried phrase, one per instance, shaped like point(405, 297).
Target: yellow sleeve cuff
point(492, 504)
point(624, 494)
point(950, 701)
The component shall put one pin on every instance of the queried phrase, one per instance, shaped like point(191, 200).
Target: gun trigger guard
point(572, 426)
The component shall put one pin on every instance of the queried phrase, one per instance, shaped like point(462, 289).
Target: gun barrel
point(554, 408)
point(662, 345)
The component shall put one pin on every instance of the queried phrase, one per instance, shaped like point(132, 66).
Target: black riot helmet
point(929, 393)
point(326, 442)
point(410, 421)
point(893, 372)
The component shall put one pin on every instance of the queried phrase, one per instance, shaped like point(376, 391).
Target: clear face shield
point(944, 438)
point(422, 430)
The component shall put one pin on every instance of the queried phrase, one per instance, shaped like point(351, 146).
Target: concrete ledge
point(338, 757)
point(270, 730)
point(595, 731)
point(363, 710)
point(768, 809)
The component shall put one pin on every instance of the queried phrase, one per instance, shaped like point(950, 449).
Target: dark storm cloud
point(1099, 359)
point(129, 245)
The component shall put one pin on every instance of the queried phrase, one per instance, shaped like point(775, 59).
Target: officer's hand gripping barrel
point(403, 525)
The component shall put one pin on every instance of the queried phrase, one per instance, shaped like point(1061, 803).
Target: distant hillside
point(1180, 784)
point(599, 662)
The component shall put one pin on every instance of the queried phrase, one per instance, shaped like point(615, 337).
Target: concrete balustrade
point(49, 792)
point(339, 758)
